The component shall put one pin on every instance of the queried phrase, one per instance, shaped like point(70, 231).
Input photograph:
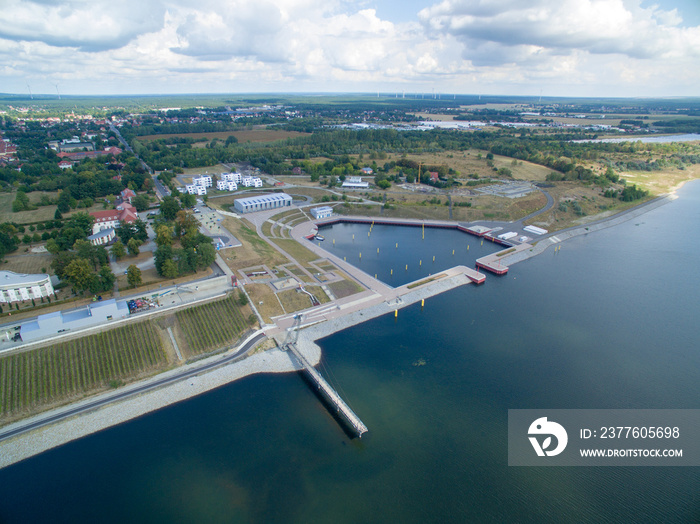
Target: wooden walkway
point(342, 409)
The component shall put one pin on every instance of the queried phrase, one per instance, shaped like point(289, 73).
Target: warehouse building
point(59, 322)
point(262, 202)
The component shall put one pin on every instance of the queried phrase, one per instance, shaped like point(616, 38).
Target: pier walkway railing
point(342, 409)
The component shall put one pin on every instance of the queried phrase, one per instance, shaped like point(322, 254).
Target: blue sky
point(519, 47)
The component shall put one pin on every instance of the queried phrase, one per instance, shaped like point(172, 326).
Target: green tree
point(21, 202)
point(188, 200)
point(169, 207)
point(169, 269)
point(185, 223)
point(140, 202)
point(133, 276)
point(164, 235)
point(133, 246)
point(63, 203)
point(57, 215)
point(79, 273)
point(118, 250)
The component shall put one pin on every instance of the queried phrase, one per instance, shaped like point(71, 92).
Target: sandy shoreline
point(15, 449)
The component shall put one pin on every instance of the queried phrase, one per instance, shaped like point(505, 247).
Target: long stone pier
point(342, 409)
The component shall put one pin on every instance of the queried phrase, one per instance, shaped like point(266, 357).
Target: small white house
point(226, 185)
point(322, 212)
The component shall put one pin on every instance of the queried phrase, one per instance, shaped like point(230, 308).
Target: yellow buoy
point(396, 313)
point(375, 276)
point(334, 241)
point(392, 272)
point(467, 248)
point(360, 254)
point(406, 267)
point(433, 257)
point(422, 302)
point(420, 262)
point(453, 251)
point(377, 250)
point(397, 245)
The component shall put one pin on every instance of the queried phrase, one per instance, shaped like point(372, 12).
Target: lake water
point(609, 321)
point(665, 139)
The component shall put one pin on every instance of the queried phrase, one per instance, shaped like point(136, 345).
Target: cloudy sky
point(520, 47)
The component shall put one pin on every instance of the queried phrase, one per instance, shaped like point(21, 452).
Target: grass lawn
point(296, 250)
point(254, 250)
point(345, 288)
point(270, 306)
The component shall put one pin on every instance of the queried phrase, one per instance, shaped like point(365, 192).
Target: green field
point(61, 372)
point(211, 326)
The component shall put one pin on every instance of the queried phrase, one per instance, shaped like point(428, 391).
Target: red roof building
point(433, 176)
point(126, 195)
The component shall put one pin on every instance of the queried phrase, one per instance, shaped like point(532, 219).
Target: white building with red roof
point(112, 218)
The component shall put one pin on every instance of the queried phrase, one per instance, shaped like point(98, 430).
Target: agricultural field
point(37, 379)
point(212, 325)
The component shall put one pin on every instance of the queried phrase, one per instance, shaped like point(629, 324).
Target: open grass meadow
point(52, 375)
point(212, 325)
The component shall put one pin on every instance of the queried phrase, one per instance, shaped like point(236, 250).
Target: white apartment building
point(226, 185)
point(232, 177)
point(203, 180)
point(193, 189)
point(252, 181)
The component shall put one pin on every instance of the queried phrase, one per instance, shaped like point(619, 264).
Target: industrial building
point(59, 322)
point(262, 202)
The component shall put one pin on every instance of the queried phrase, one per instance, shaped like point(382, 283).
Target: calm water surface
point(609, 321)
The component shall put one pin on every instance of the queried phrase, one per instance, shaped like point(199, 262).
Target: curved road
point(184, 374)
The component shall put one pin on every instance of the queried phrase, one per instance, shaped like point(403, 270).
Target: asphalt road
point(184, 374)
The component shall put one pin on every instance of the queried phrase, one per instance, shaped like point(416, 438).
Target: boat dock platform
point(494, 262)
point(328, 393)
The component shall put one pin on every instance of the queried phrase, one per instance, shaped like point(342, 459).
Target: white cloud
point(574, 46)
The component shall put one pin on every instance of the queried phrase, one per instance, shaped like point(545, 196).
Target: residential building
point(231, 177)
point(16, 287)
point(194, 189)
point(226, 185)
point(252, 181)
point(321, 212)
point(262, 202)
point(126, 195)
point(366, 170)
point(65, 164)
point(204, 180)
point(112, 218)
point(103, 237)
